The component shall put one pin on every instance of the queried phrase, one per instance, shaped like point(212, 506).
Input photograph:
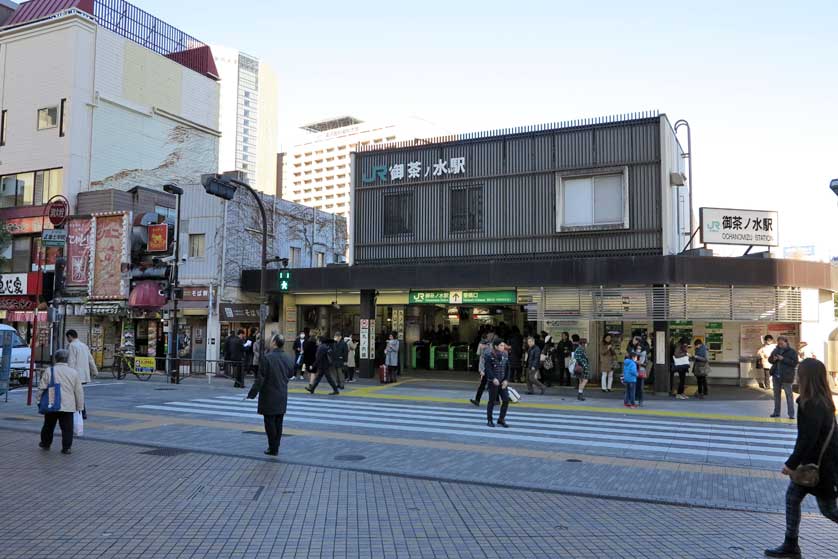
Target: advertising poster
point(109, 250)
point(78, 252)
point(158, 238)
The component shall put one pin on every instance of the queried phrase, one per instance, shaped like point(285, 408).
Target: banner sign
point(109, 253)
point(720, 226)
point(463, 297)
point(78, 252)
point(145, 365)
point(54, 237)
point(158, 238)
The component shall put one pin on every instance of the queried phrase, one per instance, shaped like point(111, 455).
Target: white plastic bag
point(78, 424)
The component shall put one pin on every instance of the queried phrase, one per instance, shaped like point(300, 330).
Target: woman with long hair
point(816, 438)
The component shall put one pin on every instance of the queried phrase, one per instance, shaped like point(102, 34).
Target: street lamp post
point(225, 186)
point(171, 360)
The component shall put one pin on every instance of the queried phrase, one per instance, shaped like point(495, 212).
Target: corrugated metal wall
point(519, 174)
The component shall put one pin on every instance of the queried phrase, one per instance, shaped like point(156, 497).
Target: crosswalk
point(639, 436)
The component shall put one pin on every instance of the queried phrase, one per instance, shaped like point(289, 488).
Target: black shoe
point(774, 415)
point(65, 451)
point(334, 393)
point(309, 389)
point(533, 393)
point(342, 387)
point(503, 423)
point(789, 550)
point(580, 397)
point(44, 446)
point(475, 402)
point(791, 417)
point(490, 423)
point(270, 452)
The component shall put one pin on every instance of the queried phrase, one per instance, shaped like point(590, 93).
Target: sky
point(757, 80)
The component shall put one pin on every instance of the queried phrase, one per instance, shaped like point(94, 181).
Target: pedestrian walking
point(497, 379)
point(681, 366)
point(783, 367)
point(564, 353)
point(581, 365)
point(81, 360)
point(814, 453)
point(607, 355)
point(70, 392)
point(630, 371)
point(549, 367)
point(247, 351)
point(391, 356)
point(298, 355)
point(764, 370)
point(483, 348)
point(341, 355)
point(309, 356)
point(701, 367)
point(323, 363)
point(637, 348)
point(351, 360)
point(271, 385)
point(533, 359)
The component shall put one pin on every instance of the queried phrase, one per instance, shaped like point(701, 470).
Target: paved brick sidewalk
point(125, 501)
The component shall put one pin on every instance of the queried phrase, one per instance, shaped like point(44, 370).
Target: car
point(21, 355)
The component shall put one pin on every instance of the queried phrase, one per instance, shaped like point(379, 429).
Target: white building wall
point(267, 144)
point(227, 63)
point(41, 64)
point(676, 209)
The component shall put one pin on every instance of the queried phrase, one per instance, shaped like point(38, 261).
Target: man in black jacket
point(271, 384)
point(323, 362)
point(341, 353)
point(233, 354)
point(496, 368)
point(783, 367)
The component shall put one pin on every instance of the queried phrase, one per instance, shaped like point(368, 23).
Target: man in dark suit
point(497, 378)
point(233, 354)
point(341, 354)
point(271, 384)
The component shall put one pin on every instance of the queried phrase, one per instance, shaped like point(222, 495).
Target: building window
point(466, 209)
point(17, 190)
point(244, 149)
point(3, 127)
point(594, 201)
point(47, 184)
point(246, 112)
point(62, 124)
point(47, 118)
point(295, 259)
point(246, 122)
point(170, 214)
point(17, 258)
point(398, 213)
point(197, 245)
point(319, 259)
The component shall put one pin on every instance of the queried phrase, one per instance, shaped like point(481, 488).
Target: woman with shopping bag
point(60, 398)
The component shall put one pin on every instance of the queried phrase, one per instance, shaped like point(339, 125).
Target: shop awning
point(146, 295)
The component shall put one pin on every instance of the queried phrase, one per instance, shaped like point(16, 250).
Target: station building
point(583, 227)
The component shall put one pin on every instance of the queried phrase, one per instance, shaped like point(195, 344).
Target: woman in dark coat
point(271, 385)
point(815, 421)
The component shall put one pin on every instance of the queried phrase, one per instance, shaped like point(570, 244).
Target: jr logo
point(714, 226)
point(379, 172)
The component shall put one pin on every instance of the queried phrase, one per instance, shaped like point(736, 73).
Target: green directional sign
point(464, 297)
point(284, 280)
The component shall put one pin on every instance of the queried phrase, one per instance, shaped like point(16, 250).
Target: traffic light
point(284, 280)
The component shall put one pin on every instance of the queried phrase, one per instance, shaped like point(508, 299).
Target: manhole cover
point(165, 452)
point(165, 388)
point(15, 419)
point(350, 458)
point(573, 460)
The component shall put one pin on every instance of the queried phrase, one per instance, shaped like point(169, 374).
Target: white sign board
point(720, 226)
point(54, 237)
point(365, 338)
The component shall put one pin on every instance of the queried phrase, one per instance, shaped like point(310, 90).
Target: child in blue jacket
point(630, 379)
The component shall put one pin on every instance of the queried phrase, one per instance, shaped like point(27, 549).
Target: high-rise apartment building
point(248, 109)
point(317, 170)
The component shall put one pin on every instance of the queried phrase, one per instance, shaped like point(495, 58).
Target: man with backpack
point(323, 362)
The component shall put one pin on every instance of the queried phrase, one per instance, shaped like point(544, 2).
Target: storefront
point(235, 317)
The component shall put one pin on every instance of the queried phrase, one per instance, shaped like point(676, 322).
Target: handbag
point(809, 475)
point(548, 362)
point(681, 361)
point(51, 397)
point(514, 396)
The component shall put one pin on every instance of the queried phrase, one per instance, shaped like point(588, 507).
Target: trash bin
point(420, 356)
point(439, 357)
point(459, 357)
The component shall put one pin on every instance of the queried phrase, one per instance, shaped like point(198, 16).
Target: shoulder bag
point(51, 397)
point(809, 475)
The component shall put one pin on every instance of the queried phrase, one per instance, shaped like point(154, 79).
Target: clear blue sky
point(758, 80)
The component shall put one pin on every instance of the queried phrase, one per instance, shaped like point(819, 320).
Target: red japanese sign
point(78, 252)
point(158, 238)
point(57, 211)
point(25, 225)
point(18, 303)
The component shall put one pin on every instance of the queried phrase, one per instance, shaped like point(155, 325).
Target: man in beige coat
point(72, 400)
point(81, 360)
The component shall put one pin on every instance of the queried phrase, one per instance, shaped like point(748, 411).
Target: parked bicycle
point(125, 364)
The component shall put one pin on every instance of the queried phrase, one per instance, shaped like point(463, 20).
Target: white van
point(21, 354)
